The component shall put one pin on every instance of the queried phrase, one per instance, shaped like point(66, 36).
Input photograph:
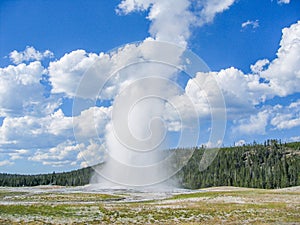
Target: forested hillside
point(73, 178)
point(271, 165)
point(268, 165)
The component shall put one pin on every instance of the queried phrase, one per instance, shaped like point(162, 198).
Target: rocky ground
point(91, 205)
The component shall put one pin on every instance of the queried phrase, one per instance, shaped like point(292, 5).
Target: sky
point(54, 55)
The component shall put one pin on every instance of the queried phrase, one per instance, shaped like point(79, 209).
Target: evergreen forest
point(269, 165)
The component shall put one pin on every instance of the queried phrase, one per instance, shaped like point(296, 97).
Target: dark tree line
point(73, 178)
point(268, 165)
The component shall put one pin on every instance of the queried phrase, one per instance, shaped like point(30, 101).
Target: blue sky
point(251, 47)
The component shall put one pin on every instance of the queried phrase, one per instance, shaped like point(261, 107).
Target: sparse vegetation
point(60, 197)
point(224, 205)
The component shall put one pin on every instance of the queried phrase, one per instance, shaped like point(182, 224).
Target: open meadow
point(87, 205)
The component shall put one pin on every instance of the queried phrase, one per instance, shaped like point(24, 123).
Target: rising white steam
point(150, 108)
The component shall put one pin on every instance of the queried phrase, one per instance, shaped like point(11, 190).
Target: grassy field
point(223, 205)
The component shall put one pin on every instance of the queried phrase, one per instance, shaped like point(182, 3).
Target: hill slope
point(271, 165)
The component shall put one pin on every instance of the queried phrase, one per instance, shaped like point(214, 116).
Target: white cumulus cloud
point(21, 91)
point(172, 20)
point(66, 73)
point(284, 71)
point(210, 8)
point(29, 54)
point(62, 154)
point(255, 124)
point(259, 66)
point(286, 117)
point(6, 163)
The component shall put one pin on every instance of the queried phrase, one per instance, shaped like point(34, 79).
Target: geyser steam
point(150, 111)
point(151, 96)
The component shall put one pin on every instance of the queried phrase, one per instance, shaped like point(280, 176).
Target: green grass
point(214, 194)
point(208, 207)
point(62, 197)
point(41, 210)
point(5, 194)
point(240, 193)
